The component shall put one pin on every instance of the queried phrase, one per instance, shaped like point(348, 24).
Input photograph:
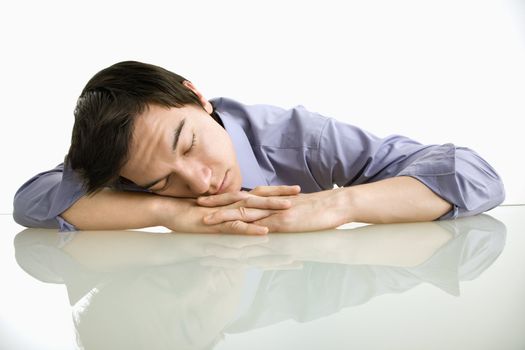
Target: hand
point(258, 203)
point(260, 191)
point(308, 212)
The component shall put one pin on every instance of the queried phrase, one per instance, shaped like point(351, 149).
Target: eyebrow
point(176, 137)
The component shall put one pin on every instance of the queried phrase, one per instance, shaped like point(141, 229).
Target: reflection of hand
point(308, 212)
point(260, 203)
point(95, 249)
point(232, 253)
point(271, 262)
point(404, 245)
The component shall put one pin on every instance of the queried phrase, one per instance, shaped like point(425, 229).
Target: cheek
point(216, 152)
point(226, 151)
point(218, 145)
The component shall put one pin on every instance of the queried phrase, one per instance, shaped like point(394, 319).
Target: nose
point(196, 176)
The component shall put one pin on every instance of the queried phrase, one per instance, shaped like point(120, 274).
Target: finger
point(222, 199)
point(272, 223)
point(267, 202)
point(241, 227)
point(234, 242)
point(241, 213)
point(283, 190)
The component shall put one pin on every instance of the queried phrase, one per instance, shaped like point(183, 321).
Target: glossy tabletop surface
point(456, 284)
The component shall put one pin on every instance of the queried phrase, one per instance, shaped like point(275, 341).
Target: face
point(182, 152)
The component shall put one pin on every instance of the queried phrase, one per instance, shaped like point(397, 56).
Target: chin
point(237, 185)
point(232, 188)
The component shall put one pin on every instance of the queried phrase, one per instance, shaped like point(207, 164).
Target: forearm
point(115, 210)
point(118, 210)
point(397, 199)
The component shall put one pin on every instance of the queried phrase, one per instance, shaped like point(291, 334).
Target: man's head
point(154, 128)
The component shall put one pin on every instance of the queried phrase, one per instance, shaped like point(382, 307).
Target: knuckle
point(243, 212)
point(236, 225)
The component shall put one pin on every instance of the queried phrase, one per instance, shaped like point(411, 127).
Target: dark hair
point(105, 114)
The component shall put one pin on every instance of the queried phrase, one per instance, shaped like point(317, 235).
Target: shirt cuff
point(436, 170)
point(459, 176)
point(64, 226)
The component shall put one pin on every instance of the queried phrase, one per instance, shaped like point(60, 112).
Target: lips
point(224, 184)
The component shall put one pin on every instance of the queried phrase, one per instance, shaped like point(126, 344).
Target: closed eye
point(164, 187)
point(193, 140)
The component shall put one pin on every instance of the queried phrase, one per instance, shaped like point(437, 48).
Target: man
point(148, 149)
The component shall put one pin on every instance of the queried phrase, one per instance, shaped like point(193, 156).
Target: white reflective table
point(456, 284)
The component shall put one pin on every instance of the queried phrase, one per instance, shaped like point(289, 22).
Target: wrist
point(159, 210)
point(348, 202)
point(178, 214)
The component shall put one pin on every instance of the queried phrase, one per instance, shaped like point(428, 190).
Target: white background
point(437, 71)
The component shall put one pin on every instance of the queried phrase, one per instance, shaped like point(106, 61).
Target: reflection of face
point(203, 159)
point(183, 306)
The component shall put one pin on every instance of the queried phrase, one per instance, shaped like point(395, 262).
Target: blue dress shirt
point(277, 146)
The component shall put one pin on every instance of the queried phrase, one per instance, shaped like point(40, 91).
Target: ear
point(204, 102)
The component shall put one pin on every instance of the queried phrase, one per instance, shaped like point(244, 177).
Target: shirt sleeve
point(350, 156)
point(40, 201)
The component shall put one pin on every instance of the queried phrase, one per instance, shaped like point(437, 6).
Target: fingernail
point(208, 218)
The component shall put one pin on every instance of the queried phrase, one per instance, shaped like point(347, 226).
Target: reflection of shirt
point(276, 146)
point(320, 289)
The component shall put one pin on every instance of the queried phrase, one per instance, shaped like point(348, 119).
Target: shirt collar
point(251, 172)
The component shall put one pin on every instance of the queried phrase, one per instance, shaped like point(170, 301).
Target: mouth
point(224, 184)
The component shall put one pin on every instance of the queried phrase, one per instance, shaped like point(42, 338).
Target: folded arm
point(55, 199)
point(382, 180)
